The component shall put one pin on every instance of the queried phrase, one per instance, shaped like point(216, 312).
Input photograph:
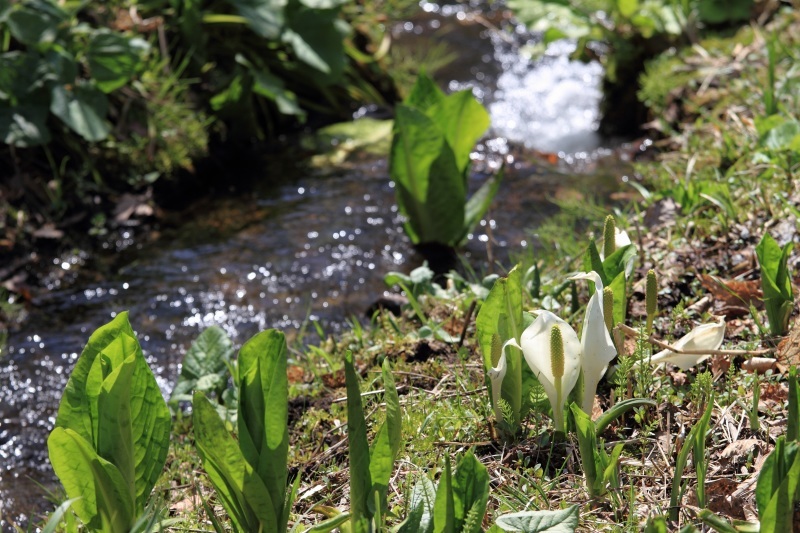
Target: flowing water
point(315, 248)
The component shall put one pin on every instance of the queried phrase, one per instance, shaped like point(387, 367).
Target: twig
point(467, 320)
point(664, 346)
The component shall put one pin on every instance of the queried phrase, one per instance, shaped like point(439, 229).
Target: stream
point(315, 247)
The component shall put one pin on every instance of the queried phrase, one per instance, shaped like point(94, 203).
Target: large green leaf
point(317, 37)
point(561, 521)
point(420, 514)
point(777, 487)
point(444, 514)
point(430, 191)
point(239, 487)
point(108, 349)
point(264, 412)
point(265, 17)
point(463, 120)
point(359, 454)
point(112, 60)
point(102, 500)
point(501, 315)
point(83, 108)
point(35, 22)
point(776, 282)
point(470, 493)
point(209, 355)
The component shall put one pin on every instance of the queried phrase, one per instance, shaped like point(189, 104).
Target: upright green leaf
point(388, 440)
point(102, 498)
point(93, 387)
point(793, 426)
point(360, 479)
point(479, 203)
point(463, 120)
point(265, 17)
point(776, 283)
point(501, 314)
point(470, 493)
point(239, 487)
point(777, 487)
point(264, 412)
point(444, 514)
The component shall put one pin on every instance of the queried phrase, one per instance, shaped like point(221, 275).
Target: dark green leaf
point(83, 108)
point(24, 125)
point(420, 514)
point(265, 17)
point(113, 60)
point(470, 492)
point(35, 22)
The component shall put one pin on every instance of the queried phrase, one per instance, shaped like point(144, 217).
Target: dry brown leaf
point(186, 505)
point(720, 364)
point(295, 374)
point(737, 451)
point(789, 347)
point(678, 378)
point(732, 297)
point(334, 380)
point(720, 498)
point(760, 364)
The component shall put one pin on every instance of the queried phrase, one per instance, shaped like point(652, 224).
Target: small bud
point(609, 236)
point(497, 349)
point(651, 298)
point(556, 353)
point(608, 309)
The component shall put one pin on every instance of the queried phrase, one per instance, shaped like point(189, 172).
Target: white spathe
point(535, 346)
point(703, 337)
point(597, 348)
point(496, 375)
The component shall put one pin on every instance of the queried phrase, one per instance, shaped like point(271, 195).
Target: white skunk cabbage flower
point(703, 337)
point(597, 348)
point(554, 358)
point(496, 375)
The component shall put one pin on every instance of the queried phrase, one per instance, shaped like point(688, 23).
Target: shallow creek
point(316, 248)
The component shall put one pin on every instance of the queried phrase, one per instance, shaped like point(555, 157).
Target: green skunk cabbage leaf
point(430, 190)
point(463, 120)
point(264, 413)
point(359, 455)
point(113, 60)
point(420, 514)
point(501, 314)
point(470, 494)
point(205, 365)
point(239, 488)
point(776, 282)
point(388, 440)
point(561, 521)
point(317, 37)
point(777, 486)
point(112, 401)
point(444, 515)
point(424, 94)
point(83, 108)
point(101, 496)
point(265, 17)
